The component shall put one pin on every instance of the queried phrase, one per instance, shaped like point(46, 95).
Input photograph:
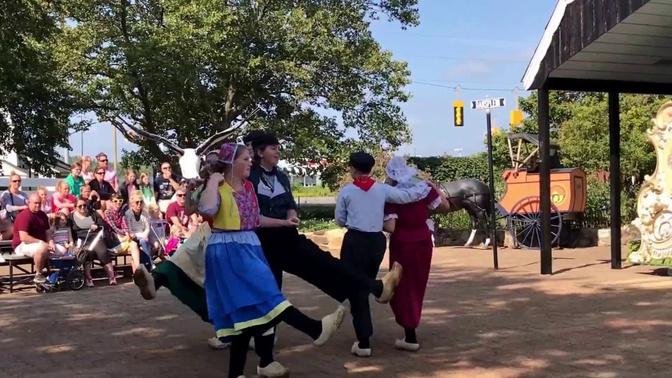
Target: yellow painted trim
point(238, 327)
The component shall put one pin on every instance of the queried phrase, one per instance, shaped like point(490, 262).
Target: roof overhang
point(602, 45)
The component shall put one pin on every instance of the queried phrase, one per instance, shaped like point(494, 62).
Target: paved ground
point(586, 320)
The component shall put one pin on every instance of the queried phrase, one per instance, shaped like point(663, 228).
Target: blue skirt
point(239, 286)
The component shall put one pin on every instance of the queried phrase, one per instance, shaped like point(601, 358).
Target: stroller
point(68, 270)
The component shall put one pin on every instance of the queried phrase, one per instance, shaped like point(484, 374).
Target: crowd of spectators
point(91, 210)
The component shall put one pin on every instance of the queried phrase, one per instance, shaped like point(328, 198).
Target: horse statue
point(474, 197)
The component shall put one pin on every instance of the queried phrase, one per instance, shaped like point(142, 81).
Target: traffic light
point(458, 113)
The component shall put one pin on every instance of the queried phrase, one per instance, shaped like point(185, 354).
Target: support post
point(491, 204)
point(615, 178)
point(545, 181)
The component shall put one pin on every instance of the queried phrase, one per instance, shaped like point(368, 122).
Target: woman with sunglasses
point(124, 243)
point(242, 296)
point(12, 201)
point(101, 188)
point(137, 220)
point(88, 227)
point(110, 174)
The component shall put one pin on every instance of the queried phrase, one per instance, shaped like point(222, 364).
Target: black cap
point(252, 136)
point(264, 139)
point(362, 162)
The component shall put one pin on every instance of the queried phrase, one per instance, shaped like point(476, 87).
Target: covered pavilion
point(612, 46)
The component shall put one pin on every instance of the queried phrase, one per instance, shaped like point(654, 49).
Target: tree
point(36, 105)
point(186, 70)
point(580, 127)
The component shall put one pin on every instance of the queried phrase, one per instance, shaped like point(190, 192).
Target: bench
point(24, 276)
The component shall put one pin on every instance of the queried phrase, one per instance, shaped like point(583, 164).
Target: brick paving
point(584, 321)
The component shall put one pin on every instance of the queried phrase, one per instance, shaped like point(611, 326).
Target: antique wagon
point(520, 204)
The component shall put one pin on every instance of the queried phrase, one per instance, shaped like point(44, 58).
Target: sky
point(483, 46)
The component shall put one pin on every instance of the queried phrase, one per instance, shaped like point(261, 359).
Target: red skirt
point(416, 259)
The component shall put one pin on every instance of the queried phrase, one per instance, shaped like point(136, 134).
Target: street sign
point(488, 103)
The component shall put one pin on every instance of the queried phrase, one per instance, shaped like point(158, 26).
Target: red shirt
point(57, 197)
point(411, 224)
point(176, 210)
point(35, 224)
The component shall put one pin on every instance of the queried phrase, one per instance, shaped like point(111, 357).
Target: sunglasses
point(100, 173)
point(81, 206)
point(103, 160)
point(181, 195)
point(16, 180)
point(137, 202)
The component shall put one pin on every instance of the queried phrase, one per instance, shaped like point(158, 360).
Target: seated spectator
point(87, 173)
point(61, 234)
point(129, 185)
point(138, 224)
point(85, 192)
point(124, 243)
point(13, 200)
point(45, 201)
point(62, 200)
point(173, 241)
point(32, 237)
point(75, 180)
point(110, 174)
point(101, 188)
point(175, 214)
point(157, 234)
point(88, 229)
point(165, 186)
point(6, 227)
point(146, 189)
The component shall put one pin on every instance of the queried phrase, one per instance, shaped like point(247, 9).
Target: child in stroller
point(66, 269)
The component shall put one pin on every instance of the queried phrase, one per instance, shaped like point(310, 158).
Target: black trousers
point(286, 250)
point(363, 251)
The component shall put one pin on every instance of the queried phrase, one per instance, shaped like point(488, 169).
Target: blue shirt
point(364, 210)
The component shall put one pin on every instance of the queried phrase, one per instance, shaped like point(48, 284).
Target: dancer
point(360, 207)
point(287, 250)
point(410, 245)
point(243, 298)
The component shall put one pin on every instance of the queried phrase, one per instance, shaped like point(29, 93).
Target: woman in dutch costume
point(242, 295)
point(410, 245)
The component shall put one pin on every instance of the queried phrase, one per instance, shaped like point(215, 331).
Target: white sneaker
point(274, 369)
point(39, 278)
point(330, 324)
point(145, 282)
point(360, 352)
point(216, 344)
point(403, 345)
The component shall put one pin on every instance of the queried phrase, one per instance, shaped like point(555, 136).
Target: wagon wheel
point(525, 223)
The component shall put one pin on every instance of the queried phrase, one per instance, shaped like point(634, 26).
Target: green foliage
point(451, 168)
point(187, 69)
point(458, 220)
point(316, 224)
point(316, 217)
point(36, 104)
point(312, 191)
